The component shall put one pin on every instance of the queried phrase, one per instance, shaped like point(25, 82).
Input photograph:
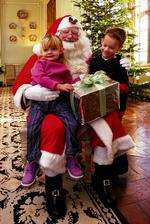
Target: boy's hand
point(64, 87)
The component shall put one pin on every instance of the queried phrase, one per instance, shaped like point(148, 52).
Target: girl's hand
point(64, 87)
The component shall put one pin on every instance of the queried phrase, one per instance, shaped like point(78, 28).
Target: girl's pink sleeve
point(39, 76)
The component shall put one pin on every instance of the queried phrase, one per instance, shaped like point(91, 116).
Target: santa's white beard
point(83, 44)
point(68, 46)
point(76, 56)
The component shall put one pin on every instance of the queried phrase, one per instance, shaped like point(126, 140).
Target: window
point(142, 25)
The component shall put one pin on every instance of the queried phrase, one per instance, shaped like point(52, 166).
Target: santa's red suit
point(111, 141)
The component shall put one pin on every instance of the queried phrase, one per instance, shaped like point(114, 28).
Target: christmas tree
point(99, 15)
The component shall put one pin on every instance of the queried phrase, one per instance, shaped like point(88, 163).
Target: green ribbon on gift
point(88, 81)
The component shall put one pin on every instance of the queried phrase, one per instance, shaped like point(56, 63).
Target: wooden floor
point(134, 191)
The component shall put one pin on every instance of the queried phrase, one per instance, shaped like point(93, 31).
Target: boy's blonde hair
point(118, 34)
point(51, 41)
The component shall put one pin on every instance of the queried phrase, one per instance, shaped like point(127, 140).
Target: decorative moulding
point(32, 37)
point(13, 38)
point(22, 14)
point(12, 25)
point(32, 25)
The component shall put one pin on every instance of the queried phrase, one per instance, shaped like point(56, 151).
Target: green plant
point(140, 91)
point(137, 70)
point(139, 86)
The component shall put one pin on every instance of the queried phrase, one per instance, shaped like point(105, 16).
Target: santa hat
point(63, 23)
point(58, 25)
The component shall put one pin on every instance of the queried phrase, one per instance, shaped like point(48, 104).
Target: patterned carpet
point(27, 205)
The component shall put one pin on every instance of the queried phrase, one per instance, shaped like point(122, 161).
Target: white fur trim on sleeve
point(102, 157)
point(18, 97)
point(123, 144)
point(52, 164)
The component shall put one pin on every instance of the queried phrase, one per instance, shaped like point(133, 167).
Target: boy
point(108, 61)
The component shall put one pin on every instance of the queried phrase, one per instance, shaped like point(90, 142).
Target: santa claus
point(52, 143)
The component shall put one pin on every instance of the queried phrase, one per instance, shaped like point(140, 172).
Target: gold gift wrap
point(90, 103)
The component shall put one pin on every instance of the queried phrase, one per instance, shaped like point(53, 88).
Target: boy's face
point(109, 47)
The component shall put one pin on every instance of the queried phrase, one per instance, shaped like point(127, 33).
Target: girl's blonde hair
point(54, 42)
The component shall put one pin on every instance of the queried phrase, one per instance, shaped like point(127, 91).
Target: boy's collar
point(106, 59)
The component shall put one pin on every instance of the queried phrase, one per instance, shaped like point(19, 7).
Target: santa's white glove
point(125, 63)
point(39, 93)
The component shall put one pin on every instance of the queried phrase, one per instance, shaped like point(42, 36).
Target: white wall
point(65, 7)
point(18, 52)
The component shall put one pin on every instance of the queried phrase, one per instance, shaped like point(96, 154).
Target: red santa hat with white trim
point(58, 25)
point(63, 23)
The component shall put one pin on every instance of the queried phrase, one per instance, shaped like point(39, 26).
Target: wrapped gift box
point(93, 99)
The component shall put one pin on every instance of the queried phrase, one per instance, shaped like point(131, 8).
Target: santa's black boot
point(119, 167)
point(55, 197)
point(120, 164)
point(102, 184)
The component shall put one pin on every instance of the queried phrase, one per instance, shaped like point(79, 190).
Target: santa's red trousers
point(53, 133)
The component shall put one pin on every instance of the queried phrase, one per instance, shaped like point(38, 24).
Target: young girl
point(50, 72)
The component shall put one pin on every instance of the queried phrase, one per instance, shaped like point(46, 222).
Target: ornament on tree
point(88, 32)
